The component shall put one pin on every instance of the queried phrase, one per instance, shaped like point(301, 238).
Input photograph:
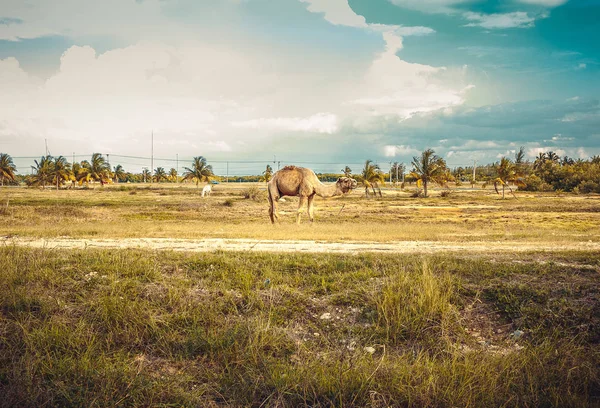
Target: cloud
point(337, 12)
point(81, 18)
point(535, 151)
point(517, 19)
point(581, 66)
point(429, 6)
point(399, 150)
point(8, 21)
point(402, 31)
point(466, 133)
point(320, 123)
point(545, 3)
point(558, 137)
point(526, 113)
point(391, 85)
point(212, 96)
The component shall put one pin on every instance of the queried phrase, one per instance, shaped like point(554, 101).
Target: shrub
point(228, 202)
point(418, 193)
point(253, 193)
point(446, 193)
point(586, 187)
point(534, 183)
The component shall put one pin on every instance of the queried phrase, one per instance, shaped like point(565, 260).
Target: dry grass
point(179, 212)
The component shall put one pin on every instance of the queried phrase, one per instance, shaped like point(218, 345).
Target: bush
point(587, 187)
point(418, 193)
point(534, 183)
point(446, 193)
point(228, 202)
point(253, 193)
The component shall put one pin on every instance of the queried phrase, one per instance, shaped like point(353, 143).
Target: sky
point(319, 83)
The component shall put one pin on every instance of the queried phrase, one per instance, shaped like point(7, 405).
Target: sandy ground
point(216, 244)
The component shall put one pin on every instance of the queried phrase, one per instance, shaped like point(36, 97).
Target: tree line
point(548, 172)
point(57, 172)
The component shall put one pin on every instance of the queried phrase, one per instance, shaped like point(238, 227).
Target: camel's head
point(346, 184)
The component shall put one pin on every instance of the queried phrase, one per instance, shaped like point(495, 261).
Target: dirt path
point(215, 244)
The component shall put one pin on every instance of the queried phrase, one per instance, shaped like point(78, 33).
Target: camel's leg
point(311, 208)
point(300, 204)
point(273, 210)
point(273, 197)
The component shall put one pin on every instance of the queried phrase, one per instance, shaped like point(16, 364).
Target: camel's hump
point(291, 168)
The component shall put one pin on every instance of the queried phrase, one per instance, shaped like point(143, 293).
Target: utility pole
point(46, 142)
point(108, 160)
point(73, 162)
point(397, 166)
point(390, 173)
point(152, 156)
point(474, 165)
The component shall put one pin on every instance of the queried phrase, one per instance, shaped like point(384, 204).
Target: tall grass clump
point(416, 305)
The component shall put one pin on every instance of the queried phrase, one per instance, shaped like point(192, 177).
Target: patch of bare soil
point(218, 244)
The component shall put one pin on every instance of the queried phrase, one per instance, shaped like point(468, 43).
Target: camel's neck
point(326, 191)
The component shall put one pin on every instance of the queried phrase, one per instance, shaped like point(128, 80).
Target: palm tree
point(160, 174)
point(268, 173)
point(567, 161)
point(553, 157)
point(146, 175)
point(507, 172)
point(347, 171)
point(520, 160)
point(520, 156)
point(371, 176)
point(429, 167)
point(118, 173)
point(397, 169)
point(97, 168)
point(61, 170)
point(200, 171)
point(80, 173)
point(42, 171)
point(538, 164)
point(173, 175)
point(7, 168)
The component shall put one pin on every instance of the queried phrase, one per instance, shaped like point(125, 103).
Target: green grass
point(140, 328)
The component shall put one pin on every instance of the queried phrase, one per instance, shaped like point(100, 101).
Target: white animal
point(206, 190)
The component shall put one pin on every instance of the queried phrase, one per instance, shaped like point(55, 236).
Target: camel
point(303, 182)
point(206, 190)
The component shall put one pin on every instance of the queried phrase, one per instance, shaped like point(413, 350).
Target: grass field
point(125, 327)
point(131, 328)
point(179, 212)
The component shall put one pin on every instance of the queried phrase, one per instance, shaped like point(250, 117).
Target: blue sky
point(321, 81)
